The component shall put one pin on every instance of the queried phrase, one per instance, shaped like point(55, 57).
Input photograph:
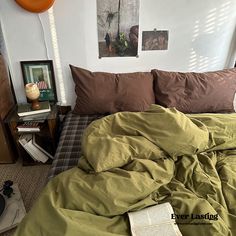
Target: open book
point(154, 220)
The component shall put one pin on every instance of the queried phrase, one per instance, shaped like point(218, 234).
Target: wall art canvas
point(118, 27)
point(155, 40)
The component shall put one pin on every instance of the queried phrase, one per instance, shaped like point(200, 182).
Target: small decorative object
point(32, 93)
point(35, 6)
point(42, 74)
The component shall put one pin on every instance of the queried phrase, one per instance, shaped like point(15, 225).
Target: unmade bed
point(149, 150)
point(134, 160)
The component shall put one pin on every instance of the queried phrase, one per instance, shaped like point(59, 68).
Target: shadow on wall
point(211, 29)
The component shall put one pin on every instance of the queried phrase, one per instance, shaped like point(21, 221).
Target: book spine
point(33, 112)
point(28, 129)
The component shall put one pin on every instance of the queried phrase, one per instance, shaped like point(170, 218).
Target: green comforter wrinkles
point(134, 160)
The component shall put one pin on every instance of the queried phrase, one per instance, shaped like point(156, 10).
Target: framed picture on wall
point(155, 40)
point(42, 74)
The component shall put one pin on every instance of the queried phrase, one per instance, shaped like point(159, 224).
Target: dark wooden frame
point(49, 94)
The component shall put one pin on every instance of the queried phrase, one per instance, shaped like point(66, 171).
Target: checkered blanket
point(69, 147)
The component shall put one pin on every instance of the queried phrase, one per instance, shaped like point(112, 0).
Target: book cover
point(25, 109)
point(14, 211)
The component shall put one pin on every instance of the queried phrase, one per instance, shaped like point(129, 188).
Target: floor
point(30, 180)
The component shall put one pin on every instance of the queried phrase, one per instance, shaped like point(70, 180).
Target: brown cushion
point(102, 92)
point(196, 92)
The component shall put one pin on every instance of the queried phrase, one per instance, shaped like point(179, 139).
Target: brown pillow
point(102, 92)
point(196, 92)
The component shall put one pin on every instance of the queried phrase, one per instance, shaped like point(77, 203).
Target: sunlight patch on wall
point(57, 56)
point(192, 59)
point(196, 30)
point(203, 63)
point(202, 56)
point(210, 23)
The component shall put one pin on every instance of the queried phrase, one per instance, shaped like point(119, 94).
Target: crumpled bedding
point(132, 160)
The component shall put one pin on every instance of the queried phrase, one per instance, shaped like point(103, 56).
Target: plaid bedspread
point(69, 147)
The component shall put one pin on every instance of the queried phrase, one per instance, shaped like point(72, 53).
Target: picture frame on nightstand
point(41, 73)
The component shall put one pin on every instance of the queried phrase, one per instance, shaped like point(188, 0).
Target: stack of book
point(26, 110)
point(35, 147)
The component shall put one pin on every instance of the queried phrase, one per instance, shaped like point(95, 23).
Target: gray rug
point(30, 179)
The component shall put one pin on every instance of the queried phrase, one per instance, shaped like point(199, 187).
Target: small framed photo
point(42, 74)
point(155, 40)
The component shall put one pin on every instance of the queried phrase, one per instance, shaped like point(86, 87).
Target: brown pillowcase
point(102, 92)
point(196, 92)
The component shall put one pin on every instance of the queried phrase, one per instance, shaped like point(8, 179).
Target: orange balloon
point(36, 6)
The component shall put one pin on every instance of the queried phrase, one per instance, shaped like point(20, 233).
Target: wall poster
point(118, 27)
point(155, 40)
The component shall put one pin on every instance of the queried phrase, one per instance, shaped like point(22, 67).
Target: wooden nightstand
point(48, 122)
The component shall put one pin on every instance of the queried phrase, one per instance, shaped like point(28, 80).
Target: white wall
point(200, 38)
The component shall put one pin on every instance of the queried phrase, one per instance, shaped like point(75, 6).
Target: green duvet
point(134, 160)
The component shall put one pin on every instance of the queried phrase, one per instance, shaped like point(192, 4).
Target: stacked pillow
point(106, 93)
